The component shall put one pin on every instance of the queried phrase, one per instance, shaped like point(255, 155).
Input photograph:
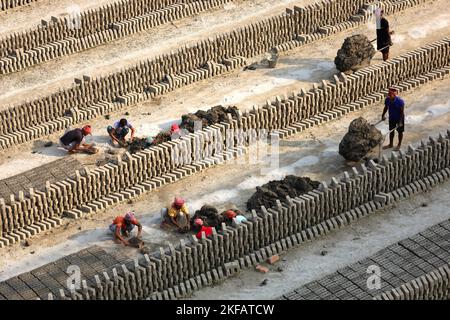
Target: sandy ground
point(312, 153)
point(294, 71)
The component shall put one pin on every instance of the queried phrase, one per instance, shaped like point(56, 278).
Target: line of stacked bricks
point(201, 262)
point(93, 97)
point(149, 169)
point(414, 268)
point(63, 36)
point(9, 4)
point(434, 285)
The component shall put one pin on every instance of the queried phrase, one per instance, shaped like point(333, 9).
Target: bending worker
point(396, 107)
point(119, 130)
point(123, 225)
point(72, 140)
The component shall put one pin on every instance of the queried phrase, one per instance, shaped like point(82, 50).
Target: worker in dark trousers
point(396, 106)
point(384, 36)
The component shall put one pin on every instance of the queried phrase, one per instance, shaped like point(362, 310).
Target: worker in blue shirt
point(396, 106)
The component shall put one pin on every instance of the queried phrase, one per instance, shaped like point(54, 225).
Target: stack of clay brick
point(182, 268)
point(168, 162)
point(64, 36)
point(92, 97)
point(9, 4)
point(413, 268)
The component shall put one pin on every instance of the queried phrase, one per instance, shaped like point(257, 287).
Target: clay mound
point(138, 144)
point(214, 115)
point(359, 140)
point(209, 215)
point(291, 186)
point(161, 137)
point(356, 52)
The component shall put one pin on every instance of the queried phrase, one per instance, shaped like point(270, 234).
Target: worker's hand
point(126, 243)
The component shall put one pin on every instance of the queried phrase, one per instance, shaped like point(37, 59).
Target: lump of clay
point(291, 186)
point(359, 140)
point(209, 215)
point(214, 115)
point(356, 52)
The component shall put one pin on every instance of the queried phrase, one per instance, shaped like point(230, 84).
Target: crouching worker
point(123, 225)
point(200, 227)
point(177, 214)
point(119, 130)
point(72, 140)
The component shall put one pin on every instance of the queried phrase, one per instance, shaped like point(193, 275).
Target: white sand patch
point(422, 30)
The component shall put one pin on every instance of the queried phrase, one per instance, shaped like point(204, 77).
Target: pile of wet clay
point(214, 115)
point(356, 52)
point(138, 144)
point(291, 186)
point(359, 140)
point(209, 215)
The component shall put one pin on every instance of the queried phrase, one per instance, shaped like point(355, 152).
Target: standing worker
point(123, 225)
point(72, 140)
point(119, 130)
point(396, 107)
point(383, 36)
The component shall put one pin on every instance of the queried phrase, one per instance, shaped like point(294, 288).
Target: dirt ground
point(312, 153)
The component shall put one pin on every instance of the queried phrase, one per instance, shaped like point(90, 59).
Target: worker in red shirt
point(200, 226)
point(123, 225)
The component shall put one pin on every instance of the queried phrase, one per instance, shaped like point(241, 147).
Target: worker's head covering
point(198, 222)
point(174, 128)
point(87, 129)
point(393, 89)
point(178, 202)
point(123, 122)
point(129, 216)
point(230, 214)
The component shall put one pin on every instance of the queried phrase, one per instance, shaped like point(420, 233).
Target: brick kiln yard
point(309, 151)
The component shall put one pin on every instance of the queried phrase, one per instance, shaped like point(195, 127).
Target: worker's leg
point(391, 135)
point(111, 132)
point(400, 131)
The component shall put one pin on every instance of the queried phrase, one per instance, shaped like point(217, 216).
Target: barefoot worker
point(73, 140)
point(396, 106)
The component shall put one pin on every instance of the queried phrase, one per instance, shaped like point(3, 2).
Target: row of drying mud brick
point(409, 265)
point(334, 204)
point(22, 58)
point(32, 116)
point(82, 24)
point(62, 38)
point(434, 285)
point(49, 278)
point(168, 162)
point(43, 282)
point(29, 117)
point(259, 36)
point(9, 4)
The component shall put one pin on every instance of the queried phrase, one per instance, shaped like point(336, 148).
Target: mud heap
point(214, 115)
point(209, 215)
point(138, 144)
point(291, 186)
point(359, 140)
point(356, 52)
